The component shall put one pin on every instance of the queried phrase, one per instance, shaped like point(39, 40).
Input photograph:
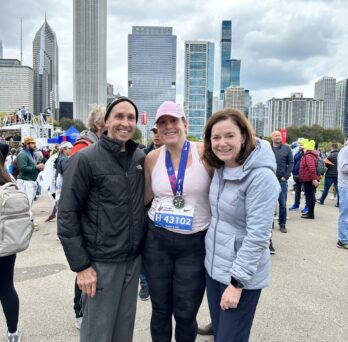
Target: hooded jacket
point(332, 169)
point(242, 204)
point(101, 209)
point(86, 138)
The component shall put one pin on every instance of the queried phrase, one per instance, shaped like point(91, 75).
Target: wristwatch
point(236, 283)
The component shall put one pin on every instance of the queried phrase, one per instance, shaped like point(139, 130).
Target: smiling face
point(171, 130)
point(226, 142)
point(121, 123)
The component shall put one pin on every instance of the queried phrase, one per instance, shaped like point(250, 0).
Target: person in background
point(156, 143)
point(342, 167)
point(242, 196)
point(285, 162)
point(309, 177)
point(8, 294)
point(28, 171)
point(295, 172)
point(331, 174)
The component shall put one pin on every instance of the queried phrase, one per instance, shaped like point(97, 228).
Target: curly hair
point(96, 117)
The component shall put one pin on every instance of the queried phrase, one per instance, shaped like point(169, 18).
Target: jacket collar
point(115, 146)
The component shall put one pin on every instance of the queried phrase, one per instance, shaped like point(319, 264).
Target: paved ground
point(307, 300)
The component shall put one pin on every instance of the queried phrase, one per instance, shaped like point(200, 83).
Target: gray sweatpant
point(110, 315)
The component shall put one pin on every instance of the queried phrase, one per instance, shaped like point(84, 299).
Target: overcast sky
point(285, 46)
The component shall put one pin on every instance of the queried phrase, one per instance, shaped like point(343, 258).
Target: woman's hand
point(315, 183)
point(230, 297)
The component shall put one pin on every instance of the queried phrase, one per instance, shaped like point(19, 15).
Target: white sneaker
point(78, 322)
point(15, 337)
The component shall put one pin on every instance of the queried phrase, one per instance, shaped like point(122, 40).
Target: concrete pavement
point(307, 300)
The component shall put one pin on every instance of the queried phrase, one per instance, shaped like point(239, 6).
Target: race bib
point(167, 216)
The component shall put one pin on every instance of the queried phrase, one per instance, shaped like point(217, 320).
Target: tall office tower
point(325, 89)
point(258, 119)
point(342, 105)
point(89, 55)
point(295, 111)
point(16, 86)
point(225, 45)
point(234, 97)
point(235, 72)
point(151, 69)
point(45, 66)
point(199, 85)
point(247, 102)
point(1, 50)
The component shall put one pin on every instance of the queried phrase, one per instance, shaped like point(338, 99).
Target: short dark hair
point(334, 146)
point(245, 128)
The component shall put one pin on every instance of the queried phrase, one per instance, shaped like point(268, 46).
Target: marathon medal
point(177, 183)
point(178, 202)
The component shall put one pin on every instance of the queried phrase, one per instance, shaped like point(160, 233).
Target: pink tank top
point(196, 189)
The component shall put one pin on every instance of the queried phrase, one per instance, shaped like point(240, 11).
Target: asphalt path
point(307, 299)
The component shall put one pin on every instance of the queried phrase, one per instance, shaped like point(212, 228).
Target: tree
point(137, 136)
point(65, 123)
point(192, 138)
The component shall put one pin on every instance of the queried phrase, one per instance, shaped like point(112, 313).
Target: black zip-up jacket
point(284, 159)
point(101, 209)
point(332, 169)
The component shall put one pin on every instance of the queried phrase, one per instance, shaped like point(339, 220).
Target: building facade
point(234, 97)
point(235, 72)
point(89, 55)
point(45, 66)
point(325, 89)
point(1, 50)
point(16, 86)
point(225, 62)
point(151, 69)
point(342, 105)
point(199, 85)
point(66, 110)
point(294, 111)
point(258, 119)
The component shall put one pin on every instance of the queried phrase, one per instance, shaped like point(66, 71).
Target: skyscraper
point(89, 55)
point(199, 85)
point(342, 105)
point(325, 89)
point(45, 66)
point(1, 53)
point(258, 119)
point(225, 45)
point(234, 97)
point(235, 72)
point(151, 68)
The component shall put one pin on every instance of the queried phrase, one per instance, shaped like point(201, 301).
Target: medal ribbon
point(177, 184)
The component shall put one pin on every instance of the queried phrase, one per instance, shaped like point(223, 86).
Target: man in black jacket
point(331, 174)
point(101, 225)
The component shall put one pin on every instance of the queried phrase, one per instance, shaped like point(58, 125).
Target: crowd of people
point(180, 217)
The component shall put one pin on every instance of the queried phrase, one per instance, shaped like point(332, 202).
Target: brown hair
point(245, 128)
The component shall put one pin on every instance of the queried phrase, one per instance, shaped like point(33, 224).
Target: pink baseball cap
point(169, 108)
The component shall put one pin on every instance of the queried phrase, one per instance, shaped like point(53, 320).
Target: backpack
point(321, 167)
point(15, 220)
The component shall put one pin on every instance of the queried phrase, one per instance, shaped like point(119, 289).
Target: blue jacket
point(242, 205)
point(297, 162)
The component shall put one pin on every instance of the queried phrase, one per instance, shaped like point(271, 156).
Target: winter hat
point(119, 100)
point(309, 145)
point(169, 108)
point(303, 142)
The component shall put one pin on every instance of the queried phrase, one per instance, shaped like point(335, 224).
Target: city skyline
point(277, 58)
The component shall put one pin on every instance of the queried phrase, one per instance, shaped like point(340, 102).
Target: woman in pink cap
point(178, 182)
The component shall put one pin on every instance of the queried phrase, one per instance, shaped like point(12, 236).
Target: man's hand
point(87, 281)
point(40, 166)
point(230, 297)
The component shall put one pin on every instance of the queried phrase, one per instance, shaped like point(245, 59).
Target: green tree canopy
point(65, 123)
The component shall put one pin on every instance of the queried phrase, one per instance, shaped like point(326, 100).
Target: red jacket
point(308, 167)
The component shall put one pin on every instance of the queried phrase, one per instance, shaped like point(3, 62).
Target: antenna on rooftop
point(21, 43)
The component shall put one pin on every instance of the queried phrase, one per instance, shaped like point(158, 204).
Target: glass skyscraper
point(199, 85)
point(226, 45)
point(342, 105)
point(235, 72)
point(151, 69)
point(45, 66)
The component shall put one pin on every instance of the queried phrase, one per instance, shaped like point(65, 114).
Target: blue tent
point(69, 135)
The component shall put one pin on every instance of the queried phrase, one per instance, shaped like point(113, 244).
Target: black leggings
point(8, 295)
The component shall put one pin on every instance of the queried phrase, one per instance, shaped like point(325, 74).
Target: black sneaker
point(271, 248)
point(144, 293)
point(337, 205)
point(206, 330)
point(308, 216)
point(283, 228)
point(340, 244)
